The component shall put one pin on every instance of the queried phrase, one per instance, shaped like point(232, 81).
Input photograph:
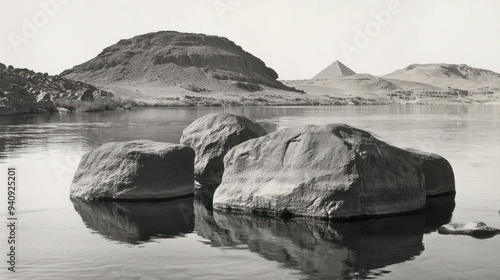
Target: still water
point(62, 239)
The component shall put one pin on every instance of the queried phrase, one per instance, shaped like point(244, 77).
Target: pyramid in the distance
point(334, 70)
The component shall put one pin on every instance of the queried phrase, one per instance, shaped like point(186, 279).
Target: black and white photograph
point(250, 139)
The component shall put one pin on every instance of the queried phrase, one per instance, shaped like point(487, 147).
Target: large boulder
point(475, 229)
point(136, 170)
point(87, 95)
point(212, 136)
point(44, 96)
point(46, 105)
point(330, 172)
point(438, 173)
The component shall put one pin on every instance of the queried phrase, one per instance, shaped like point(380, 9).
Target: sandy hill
point(352, 84)
point(334, 70)
point(172, 63)
point(337, 78)
point(25, 91)
point(458, 76)
point(421, 84)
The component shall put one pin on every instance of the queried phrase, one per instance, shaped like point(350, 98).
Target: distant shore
point(193, 101)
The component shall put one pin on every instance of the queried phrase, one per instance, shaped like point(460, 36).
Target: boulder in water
point(438, 173)
point(475, 229)
point(330, 172)
point(136, 170)
point(212, 136)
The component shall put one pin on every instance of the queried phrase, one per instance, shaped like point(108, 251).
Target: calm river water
point(181, 239)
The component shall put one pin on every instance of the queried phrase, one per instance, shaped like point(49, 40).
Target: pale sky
point(297, 38)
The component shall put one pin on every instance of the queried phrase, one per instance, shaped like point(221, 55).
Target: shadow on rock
point(356, 249)
point(137, 222)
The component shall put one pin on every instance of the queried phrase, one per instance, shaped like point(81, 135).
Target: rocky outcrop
point(173, 58)
point(330, 172)
point(212, 136)
point(18, 103)
point(25, 91)
point(438, 173)
point(136, 170)
point(475, 229)
point(137, 222)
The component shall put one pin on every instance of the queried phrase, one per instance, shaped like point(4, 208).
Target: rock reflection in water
point(357, 249)
point(137, 222)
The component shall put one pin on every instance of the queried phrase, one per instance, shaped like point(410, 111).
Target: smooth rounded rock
point(438, 173)
point(212, 136)
point(330, 172)
point(136, 170)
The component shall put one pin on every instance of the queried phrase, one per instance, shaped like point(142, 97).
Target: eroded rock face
point(331, 172)
point(475, 229)
point(438, 173)
point(212, 136)
point(136, 170)
point(184, 55)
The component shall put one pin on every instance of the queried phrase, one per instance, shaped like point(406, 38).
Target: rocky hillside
point(25, 91)
point(180, 61)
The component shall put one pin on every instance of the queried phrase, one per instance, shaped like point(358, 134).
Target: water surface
point(182, 239)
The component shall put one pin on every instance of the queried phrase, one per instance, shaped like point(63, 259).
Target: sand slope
point(457, 76)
